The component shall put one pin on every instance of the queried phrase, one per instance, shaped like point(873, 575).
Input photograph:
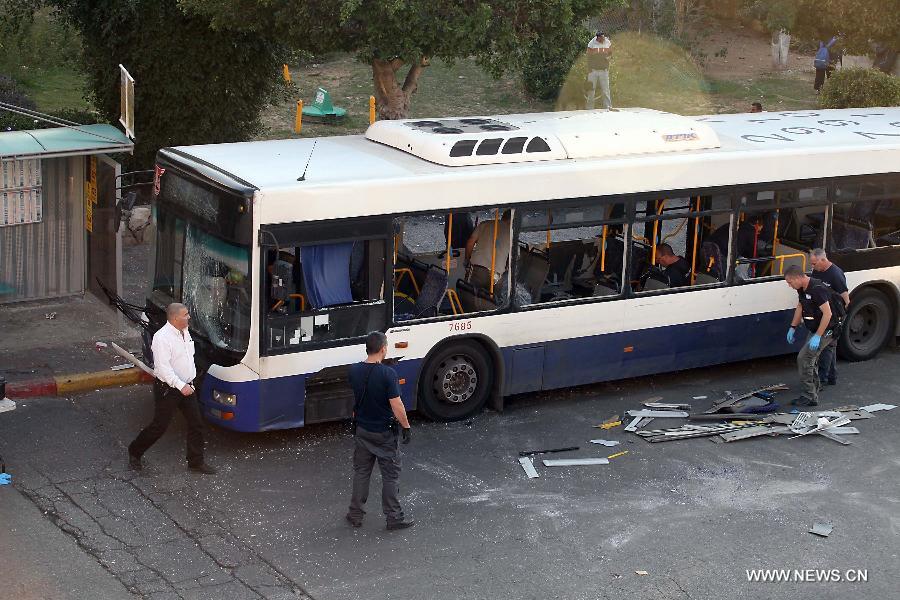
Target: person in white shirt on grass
point(173, 366)
point(599, 50)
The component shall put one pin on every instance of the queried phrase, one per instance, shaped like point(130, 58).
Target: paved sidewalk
point(49, 348)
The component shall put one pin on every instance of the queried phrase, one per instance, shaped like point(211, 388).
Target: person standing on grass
point(599, 51)
point(822, 63)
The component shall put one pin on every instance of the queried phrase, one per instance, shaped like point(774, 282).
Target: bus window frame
point(889, 178)
point(311, 233)
point(774, 205)
point(563, 204)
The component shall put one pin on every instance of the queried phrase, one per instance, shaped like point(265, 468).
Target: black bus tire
point(868, 326)
point(456, 382)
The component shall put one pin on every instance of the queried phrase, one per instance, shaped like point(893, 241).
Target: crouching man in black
point(379, 418)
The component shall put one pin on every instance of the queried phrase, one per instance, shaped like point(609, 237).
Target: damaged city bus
point(516, 253)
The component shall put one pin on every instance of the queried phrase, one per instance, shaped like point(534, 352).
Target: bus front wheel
point(456, 382)
point(867, 326)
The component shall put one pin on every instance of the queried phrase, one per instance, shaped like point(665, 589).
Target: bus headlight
point(224, 398)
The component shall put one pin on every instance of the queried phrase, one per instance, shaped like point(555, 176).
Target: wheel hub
point(456, 380)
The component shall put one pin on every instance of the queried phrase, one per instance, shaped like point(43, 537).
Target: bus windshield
point(210, 275)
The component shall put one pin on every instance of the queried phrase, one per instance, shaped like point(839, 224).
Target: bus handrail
point(454, 301)
point(779, 257)
point(398, 277)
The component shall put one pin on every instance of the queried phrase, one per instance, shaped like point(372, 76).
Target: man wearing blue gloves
point(814, 310)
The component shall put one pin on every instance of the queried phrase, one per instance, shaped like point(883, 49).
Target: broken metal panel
point(608, 443)
point(746, 432)
point(657, 413)
point(876, 407)
point(843, 430)
point(664, 405)
point(822, 529)
point(575, 462)
point(528, 465)
point(834, 438)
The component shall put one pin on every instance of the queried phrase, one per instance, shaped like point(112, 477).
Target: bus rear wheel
point(867, 326)
point(456, 382)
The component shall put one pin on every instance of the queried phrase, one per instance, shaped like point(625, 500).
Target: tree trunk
point(392, 98)
point(680, 18)
point(781, 44)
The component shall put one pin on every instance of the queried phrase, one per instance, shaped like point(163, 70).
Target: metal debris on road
point(617, 454)
point(121, 367)
point(6, 405)
point(548, 451)
point(575, 462)
point(641, 573)
point(609, 443)
point(667, 406)
point(528, 465)
point(657, 413)
point(876, 407)
point(50, 316)
point(822, 529)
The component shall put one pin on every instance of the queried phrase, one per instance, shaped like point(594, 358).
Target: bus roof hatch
point(543, 136)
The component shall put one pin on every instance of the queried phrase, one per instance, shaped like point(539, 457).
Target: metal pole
point(298, 120)
point(694, 255)
point(494, 248)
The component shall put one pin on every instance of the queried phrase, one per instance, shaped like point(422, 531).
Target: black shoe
point(203, 468)
point(354, 522)
point(134, 463)
point(803, 401)
point(395, 525)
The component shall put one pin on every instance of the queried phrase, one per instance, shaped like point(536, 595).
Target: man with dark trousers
point(173, 387)
point(831, 275)
point(379, 419)
point(814, 310)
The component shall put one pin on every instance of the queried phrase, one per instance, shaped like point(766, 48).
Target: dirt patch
point(741, 53)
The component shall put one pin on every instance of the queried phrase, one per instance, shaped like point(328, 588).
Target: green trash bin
point(322, 110)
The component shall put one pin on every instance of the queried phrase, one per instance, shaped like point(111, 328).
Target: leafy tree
point(398, 38)
point(193, 85)
point(860, 23)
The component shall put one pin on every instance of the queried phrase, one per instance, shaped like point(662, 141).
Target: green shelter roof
point(63, 141)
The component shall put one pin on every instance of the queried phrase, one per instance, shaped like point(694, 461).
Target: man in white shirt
point(599, 49)
point(173, 366)
point(479, 256)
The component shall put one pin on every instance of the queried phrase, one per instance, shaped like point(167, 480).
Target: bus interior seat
point(432, 293)
point(474, 299)
point(604, 289)
point(562, 258)
point(655, 284)
point(704, 279)
point(712, 261)
point(533, 270)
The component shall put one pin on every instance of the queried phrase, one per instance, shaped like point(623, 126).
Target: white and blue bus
point(516, 253)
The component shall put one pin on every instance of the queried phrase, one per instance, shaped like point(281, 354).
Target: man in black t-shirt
point(831, 275)
point(675, 268)
point(814, 310)
point(379, 417)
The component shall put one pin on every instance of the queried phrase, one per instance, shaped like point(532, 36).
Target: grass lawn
point(53, 88)
point(646, 71)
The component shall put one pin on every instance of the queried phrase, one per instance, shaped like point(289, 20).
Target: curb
point(64, 385)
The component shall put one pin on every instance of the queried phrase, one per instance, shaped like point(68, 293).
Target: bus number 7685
point(460, 325)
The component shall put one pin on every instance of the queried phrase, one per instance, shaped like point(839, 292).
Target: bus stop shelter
point(59, 228)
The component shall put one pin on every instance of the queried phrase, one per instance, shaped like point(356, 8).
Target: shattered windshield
point(216, 289)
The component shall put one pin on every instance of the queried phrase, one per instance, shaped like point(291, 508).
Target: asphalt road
point(693, 514)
